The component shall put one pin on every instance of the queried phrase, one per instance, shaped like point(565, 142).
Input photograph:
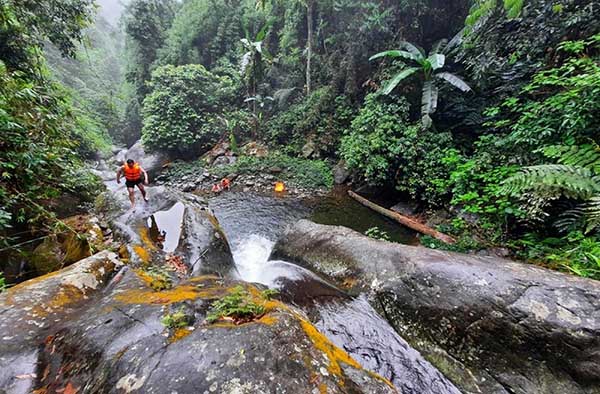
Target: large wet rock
point(120, 345)
point(490, 324)
point(180, 219)
point(151, 162)
point(29, 310)
point(82, 236)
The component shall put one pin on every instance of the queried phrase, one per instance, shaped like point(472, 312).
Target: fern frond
point(592, 214)
point(570, 219)
point(551, 180)
point(587, 156)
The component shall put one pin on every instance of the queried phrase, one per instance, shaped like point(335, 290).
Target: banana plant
point(430, 67)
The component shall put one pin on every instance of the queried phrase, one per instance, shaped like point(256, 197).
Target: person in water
point(133, 177)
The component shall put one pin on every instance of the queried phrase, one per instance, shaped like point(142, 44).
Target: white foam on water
point(251, 256)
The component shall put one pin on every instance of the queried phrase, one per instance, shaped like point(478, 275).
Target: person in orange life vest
point(225, 184)
point(133, 177)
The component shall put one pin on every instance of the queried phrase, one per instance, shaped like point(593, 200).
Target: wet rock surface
point(491, 325)
point(31, 309)
point(118, 344)
point(197, 236)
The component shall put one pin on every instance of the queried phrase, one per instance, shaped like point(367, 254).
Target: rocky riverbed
point(349, 315)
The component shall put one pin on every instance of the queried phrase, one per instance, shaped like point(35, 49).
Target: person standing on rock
point(133, 177)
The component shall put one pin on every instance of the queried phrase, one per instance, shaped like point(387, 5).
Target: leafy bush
point(38, 160)
point(383, 148)
point(476, 182)
point(560, 105)
point(3, 285)
point(575, 253)
point(180, 113)
point(464, 244)
point(376, 138)
point(177, 319)
point(377, 233)
point(238, 305)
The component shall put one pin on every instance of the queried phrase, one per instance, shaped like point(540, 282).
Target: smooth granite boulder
point(491, 325)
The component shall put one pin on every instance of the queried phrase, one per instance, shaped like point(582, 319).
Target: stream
point(253, 223)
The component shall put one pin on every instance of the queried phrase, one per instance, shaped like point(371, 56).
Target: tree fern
point(576, 177)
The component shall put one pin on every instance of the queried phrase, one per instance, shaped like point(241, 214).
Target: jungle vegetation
point(512, 156)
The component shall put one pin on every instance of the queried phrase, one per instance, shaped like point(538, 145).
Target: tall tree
point(310, 7)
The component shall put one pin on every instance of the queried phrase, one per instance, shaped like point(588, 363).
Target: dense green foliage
point(297, 171)
point(300, 172)
point(181, 112)
point(514, 161)
point(44, 137)
point(95, 78)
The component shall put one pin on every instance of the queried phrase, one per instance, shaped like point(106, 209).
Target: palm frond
point(439, 46)
point(437, 61)
point(454, 81)
point(414, 49)
point(391, 85)
point(455, 42)
point(429, 99)
point(394, 53)
point(264, 31)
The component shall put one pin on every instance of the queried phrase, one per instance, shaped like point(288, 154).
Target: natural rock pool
point(253, 223)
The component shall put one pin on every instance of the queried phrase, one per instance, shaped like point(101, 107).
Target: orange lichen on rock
point(67, 295)
point(142, 253)
point(178, 294)
point(203, 278)
point(268, 320)
point(323, 388)
point(179, 334)
point(145, 237)
point(334, 354)
point(23, 285)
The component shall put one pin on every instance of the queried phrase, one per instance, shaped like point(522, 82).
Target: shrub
point(377, 233)
point(385, 149)
point(38, 152)
point(376, 138)
point(476, 181)
point(238, 305)
point(575, 253)
point(176, 320)
point(180, 115)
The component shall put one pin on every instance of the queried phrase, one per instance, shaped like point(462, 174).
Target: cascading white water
point(251, 257)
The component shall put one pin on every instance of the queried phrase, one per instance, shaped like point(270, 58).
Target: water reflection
point(164, 227)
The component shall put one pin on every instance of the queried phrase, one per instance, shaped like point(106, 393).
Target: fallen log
point(404, 220)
